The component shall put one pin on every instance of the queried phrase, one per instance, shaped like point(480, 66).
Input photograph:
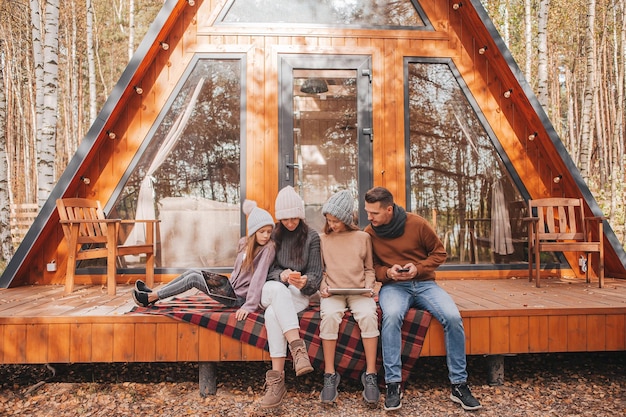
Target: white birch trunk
point(74, 96)
point(91, 64)
point(542, 53)
point(37, 45)
point(6, 242)
point(131, 28)
point(528, 40)
point(586, 139)
point(46, 140)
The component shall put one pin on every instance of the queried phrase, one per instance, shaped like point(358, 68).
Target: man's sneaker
point(141, 286)
point(394, 396)
point(141, 299)
point(371, 393)
point(329, 392)
point(461, 394)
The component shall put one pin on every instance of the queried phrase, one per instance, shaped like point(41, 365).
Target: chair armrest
point(74, 221)
point(530, 219)
point(596, 218)
point(129, 221)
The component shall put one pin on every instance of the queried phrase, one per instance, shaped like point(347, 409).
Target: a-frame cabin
point(231, 99)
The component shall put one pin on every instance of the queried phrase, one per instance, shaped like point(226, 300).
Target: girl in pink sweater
point(255, 255)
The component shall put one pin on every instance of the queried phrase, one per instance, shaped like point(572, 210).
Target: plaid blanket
point(350, 358)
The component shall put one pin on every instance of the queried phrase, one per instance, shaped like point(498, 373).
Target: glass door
point(325, 129)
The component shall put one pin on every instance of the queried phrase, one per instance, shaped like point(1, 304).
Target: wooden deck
point(38, 324)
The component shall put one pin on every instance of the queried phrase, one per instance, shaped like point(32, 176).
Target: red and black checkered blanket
point(203, 311)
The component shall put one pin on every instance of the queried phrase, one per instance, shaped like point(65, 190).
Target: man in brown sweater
point(406, 253)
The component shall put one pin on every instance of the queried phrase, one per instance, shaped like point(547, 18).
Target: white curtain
point(145, 199)
point(501, 239)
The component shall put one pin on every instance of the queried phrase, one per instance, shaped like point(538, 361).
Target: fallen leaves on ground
point(581, 384)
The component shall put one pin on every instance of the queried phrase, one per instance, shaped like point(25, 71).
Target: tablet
point(348, 291)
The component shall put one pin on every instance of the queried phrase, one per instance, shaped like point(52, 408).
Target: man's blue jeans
point(395, 299)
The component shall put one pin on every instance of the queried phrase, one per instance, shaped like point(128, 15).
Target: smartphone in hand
point(403, 269)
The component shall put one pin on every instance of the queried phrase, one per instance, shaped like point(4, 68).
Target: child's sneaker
point(141, 286)
point(371, 393)
point(141, 298)
point(329, 392)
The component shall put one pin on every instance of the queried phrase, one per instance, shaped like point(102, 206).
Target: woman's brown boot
point(300, 356)
point(274, 389)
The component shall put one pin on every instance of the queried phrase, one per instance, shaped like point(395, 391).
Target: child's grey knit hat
point(340, 205)
point(257, 217)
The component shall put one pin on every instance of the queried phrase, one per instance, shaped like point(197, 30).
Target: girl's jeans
point(194, 278)
point(189, 279)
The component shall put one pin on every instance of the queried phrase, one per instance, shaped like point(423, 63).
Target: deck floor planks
point(120, 303)
point(508, 295)
point(482, 298)
point(27, 295)
point(522, 295)
point(488, 296)
point(68, 305)
point(501, 316)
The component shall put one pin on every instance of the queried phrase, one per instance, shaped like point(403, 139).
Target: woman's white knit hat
point(257, 217)
point(289, 205)
point(340, 205)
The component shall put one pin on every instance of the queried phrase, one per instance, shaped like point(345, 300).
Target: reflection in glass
point(360, 13)
point(191, 170)
point(457, 179)
point(325, 137)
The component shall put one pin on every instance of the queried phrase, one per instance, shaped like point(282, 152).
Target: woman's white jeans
point(282, 305)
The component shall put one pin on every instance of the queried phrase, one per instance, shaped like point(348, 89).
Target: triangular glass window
point(459, 177)
point(189, 177)
point(405, 14)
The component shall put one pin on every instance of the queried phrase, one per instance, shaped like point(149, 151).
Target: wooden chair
point(90, 235)
point(559, 225)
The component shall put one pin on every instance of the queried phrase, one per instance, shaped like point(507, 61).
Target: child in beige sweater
point(347, 260)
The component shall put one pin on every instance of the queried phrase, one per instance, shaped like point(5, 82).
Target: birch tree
point(586, 134)
point(45, 22)
point(6, 243)
point(542, 53)
point(131, 28)
point(528, 40)
point(91, 64)
point(37, 56)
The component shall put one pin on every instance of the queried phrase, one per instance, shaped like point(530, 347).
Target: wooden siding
point(38, 324)
point(457, 35)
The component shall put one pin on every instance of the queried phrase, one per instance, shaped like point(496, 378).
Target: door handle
point(369, 132)
point(289, 166)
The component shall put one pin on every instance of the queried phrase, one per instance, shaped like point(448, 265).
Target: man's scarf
point(395, 227)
